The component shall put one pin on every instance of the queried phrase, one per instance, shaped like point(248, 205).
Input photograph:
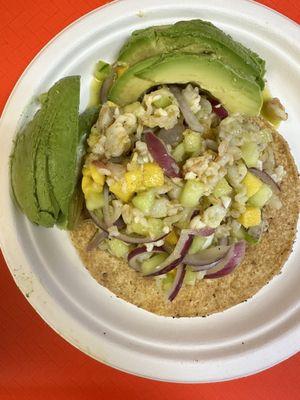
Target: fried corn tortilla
point(261, 263)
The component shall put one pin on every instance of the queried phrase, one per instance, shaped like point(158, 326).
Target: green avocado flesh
point(45, 162)
point(236, 93)
point(197, 37)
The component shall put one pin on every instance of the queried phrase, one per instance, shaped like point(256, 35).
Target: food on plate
point(180, 195)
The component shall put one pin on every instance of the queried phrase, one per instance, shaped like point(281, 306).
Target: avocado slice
point(236, 93)
point(86, 120)
point(22, 169)
point(195, 36)
point(44, 159)
point(63, 140)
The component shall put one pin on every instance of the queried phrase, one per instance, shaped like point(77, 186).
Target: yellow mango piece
point(134, 179)
point(252, 183)
point(95, 174)
point(251, 217)
point(120, 189)
point(153, 175)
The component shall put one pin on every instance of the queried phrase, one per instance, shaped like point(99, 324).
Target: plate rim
point(34, 300)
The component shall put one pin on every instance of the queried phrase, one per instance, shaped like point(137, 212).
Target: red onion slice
point(178, 281)
point(176, 257)
point(106, 212)
point(172, 136)
point(160, 154)
point(96, 240)
point(233, 259)
point(107, 83)
point(207, 256)
point(189, 116)
point(266, 178)
point(139, 254)
point(137, 239)
point(100, 224)
point(218, 108)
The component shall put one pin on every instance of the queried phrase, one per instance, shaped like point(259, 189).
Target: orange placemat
point(36, 363)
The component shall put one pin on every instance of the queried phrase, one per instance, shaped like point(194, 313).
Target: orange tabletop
point(36, 363)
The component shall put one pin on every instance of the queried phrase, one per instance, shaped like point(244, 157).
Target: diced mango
point(97, 177)
point(120, 189)
point(251, 217)
point(171, 238)
point(153, 175)
point(252, 183)
point(134, 180)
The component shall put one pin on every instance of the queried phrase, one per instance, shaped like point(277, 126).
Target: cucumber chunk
point(179, 153)
point(144, 201)
point(260, 198)
point(192, 141)
point(118, 248)
point(222, 188)
point(250, 154)
point(150, 265)
point(191, 193)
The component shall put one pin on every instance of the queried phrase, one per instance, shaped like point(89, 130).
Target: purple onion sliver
point(160, 154)
point(218, 108)
point(96, 240)
point(234, 261)
point(205, 267)
point(266, 178)
point(107, 83)
point(178, 281)
point(189, 116)
point(97, 222)
point(176, 257)
point(207, 256)
point(134, 257)
point(137, 239)
point(173, 264)
point(106, 213)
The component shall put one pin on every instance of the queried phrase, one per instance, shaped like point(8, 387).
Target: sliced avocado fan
point(236, 93)
point(197, 37)
point(46, 157)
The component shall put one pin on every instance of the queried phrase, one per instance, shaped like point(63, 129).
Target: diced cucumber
point(149, 265)
point(191, 193)
point(167, 282)
point(192, 141)
point(134, 108)
point(160, 208)
point(144, 201)
point(222, 188)
point(155, 226)
point(163, 102)
point(118, 248)
point(214, 215)
point(242, 234)
point(250, 154)
point(179, 152)
point(260, 198)
point(94, 201)
point(200, 243)
point(138, 228)
point(190, 277)
point(236, 173)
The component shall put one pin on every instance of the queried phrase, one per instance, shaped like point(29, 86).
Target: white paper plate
point(241, 341)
